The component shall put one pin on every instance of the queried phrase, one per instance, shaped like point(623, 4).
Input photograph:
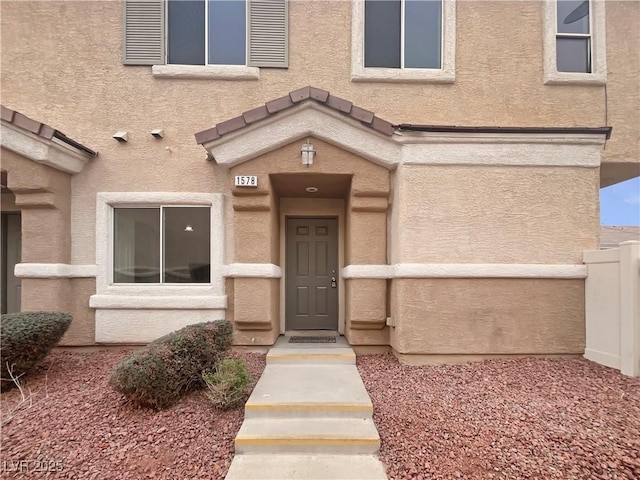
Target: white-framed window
point(403, 40)
point(575, 48)
point(162, 244)
point(206, 38)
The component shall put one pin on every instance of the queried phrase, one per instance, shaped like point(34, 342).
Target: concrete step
point(306, 467)
point(311, 355)
point(308, 435)
point(288, 391)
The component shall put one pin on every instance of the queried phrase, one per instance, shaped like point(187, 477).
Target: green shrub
point(226, 385)
point(26, 338)
point(169, 367)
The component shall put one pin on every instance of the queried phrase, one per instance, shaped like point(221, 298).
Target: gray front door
point(11, 252)
point(311, 297)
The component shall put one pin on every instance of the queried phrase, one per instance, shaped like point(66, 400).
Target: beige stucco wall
point(622, 95)
point(43, 196)
point(488, 316)
point(69, 74)
point(480, 214)
point(8, 202)
point(68, 295)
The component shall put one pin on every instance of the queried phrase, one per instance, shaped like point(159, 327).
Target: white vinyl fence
point(612, 296)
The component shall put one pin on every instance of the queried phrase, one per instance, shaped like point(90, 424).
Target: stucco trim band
point(464, 270)
point(41, 150)
point(206, 72)
point(502, 153)
point(254, 270)
point(54, 270)
point(158, 302)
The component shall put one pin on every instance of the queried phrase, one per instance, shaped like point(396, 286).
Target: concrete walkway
point(309, 417)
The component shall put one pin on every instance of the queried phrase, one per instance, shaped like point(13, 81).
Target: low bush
point(169, 367)
point(26, 338)
point(226, 385)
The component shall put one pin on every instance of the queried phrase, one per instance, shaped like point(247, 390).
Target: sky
point(620, 203)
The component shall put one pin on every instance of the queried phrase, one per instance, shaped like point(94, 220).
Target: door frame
point(312, 208)
point(329, 321)
point(4, 274)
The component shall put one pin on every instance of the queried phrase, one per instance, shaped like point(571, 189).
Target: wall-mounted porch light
point(307, 153)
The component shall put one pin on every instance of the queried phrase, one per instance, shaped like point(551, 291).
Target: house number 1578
point(246, 180)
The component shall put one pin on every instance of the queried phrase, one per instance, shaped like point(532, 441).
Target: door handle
point(333, 282)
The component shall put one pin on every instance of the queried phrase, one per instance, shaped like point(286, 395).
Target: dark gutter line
point(61, 136)
point(530, 130)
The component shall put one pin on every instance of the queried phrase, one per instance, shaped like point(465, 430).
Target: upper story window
point(575, 47)
point(403, 40)
point(201, 32)
point(403, 33)
point(573, 36)
point(206, 38)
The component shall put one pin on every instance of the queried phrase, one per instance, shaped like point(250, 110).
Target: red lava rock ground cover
point(505, 419)
point(500, 419)
point(79, 428)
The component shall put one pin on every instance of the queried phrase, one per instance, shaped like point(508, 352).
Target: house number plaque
point(246, 180)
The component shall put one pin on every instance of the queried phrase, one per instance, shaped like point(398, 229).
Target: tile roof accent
point(40, 129)
point(366, 117)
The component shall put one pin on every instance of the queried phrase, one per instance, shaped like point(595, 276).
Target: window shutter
point(268, 33)
point(143, 32)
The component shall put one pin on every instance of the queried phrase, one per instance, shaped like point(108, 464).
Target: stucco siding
point(498, 78)
point(8, 201)
point(82, 329)
point(71, 75)
point(488, 316)
point(475, 214)
point(423, 199)
point(622, 95)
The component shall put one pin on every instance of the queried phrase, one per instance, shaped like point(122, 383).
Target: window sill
point(206, 72)
point(571, 78)
point(417, 75)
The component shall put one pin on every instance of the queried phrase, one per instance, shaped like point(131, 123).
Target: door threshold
point(312, 333)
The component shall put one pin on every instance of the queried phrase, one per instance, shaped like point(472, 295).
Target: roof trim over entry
point(322, 97)
point(41, 143)
point(312, 112)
